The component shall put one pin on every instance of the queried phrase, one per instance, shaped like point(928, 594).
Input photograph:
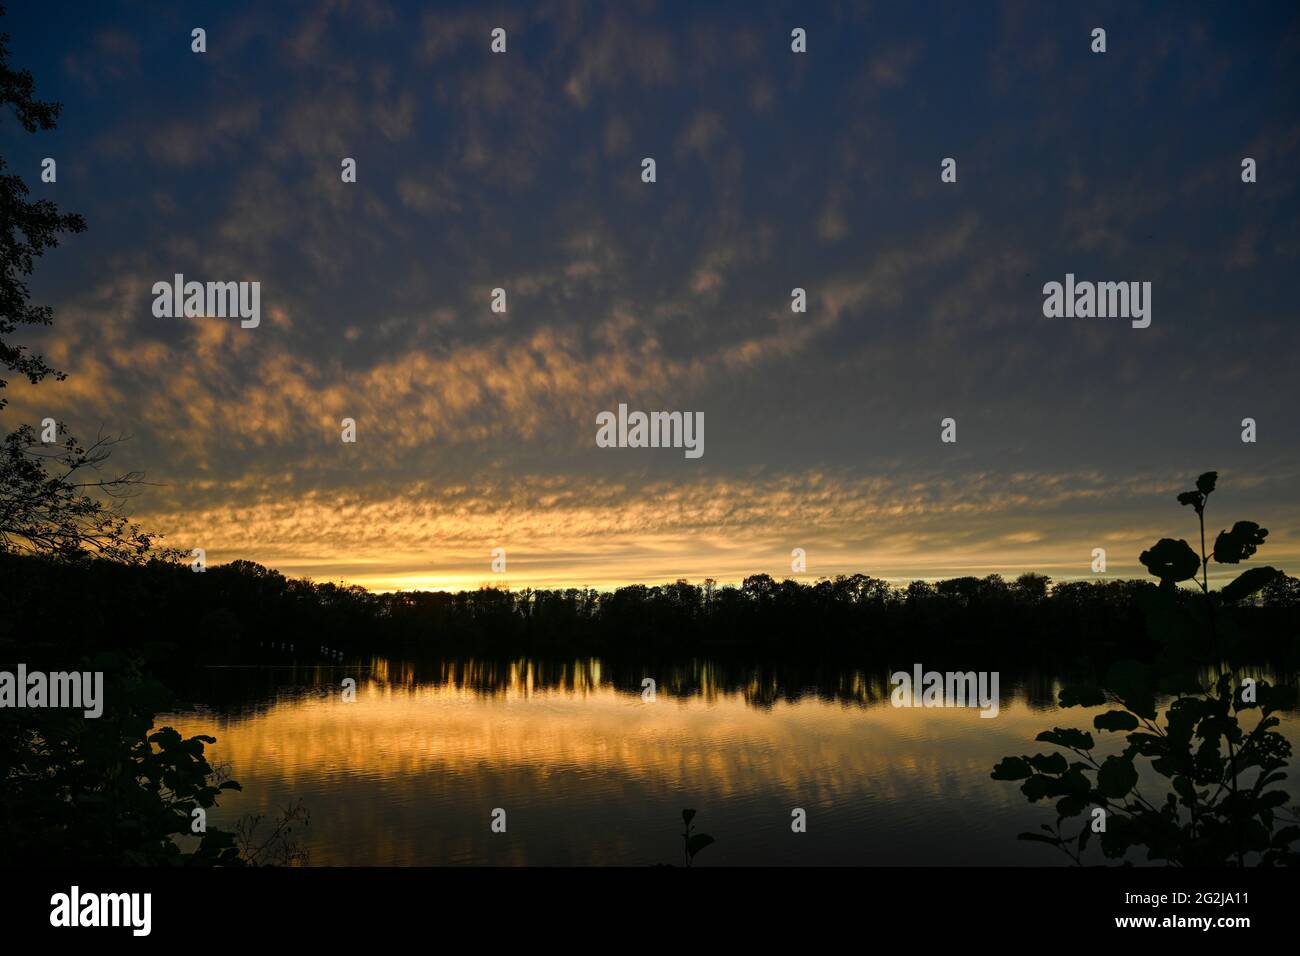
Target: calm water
point(589, 773)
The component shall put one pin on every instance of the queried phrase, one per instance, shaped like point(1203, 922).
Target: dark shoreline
point(242, 612)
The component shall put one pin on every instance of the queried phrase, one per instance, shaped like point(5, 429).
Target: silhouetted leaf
point(1248, 582)
point(1114, 720)
point(1049, 763)
point(697, 843)
point(1235, 546)
point(1274, 799)
point(1205, 483)
point(1012, 768)
point(1070, 806)
point(1171, 560)
point(1116, 777)
point(688, 816)
point(1037, 787)
point(1074, 739)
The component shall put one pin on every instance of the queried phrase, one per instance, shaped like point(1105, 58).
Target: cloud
point(619, 53)
point(703, 132)
point(114, 56)
point(572, 530)
point(186, 142)
point(479, 171)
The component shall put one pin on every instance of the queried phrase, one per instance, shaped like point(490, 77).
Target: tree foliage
point(27, 227)
point(50, 501)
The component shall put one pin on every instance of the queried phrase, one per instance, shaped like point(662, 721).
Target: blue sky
point(775, 170)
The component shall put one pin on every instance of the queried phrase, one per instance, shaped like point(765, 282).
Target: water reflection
point(591, 773)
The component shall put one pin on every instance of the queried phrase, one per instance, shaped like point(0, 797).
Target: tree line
point(230, 611)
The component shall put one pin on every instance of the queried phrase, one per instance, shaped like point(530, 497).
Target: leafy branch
point(1207, 816)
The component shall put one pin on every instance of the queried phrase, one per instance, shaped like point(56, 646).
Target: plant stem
point(1214, 642)
point(1205, 560)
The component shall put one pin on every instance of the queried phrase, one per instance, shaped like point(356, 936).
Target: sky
point(775, 170)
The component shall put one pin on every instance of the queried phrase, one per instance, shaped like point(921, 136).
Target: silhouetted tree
point(27, 228)
point(50, 504)
point(48, 493)
point(107, 790)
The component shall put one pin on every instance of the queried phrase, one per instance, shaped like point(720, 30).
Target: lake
point(588, 772)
